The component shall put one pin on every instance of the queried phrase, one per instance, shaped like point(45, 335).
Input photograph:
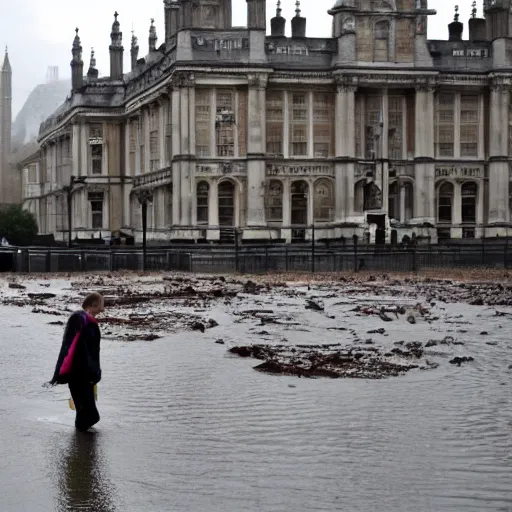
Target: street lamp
point(74, 181)
point(144, 196)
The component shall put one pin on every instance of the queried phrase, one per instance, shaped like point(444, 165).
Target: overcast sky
point(40, 33)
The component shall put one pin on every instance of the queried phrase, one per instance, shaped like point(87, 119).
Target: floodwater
point(187, 427)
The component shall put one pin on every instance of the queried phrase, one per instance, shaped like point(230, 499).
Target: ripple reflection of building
point(81, 480)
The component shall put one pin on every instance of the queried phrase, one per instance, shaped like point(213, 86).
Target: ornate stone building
point(374, 131)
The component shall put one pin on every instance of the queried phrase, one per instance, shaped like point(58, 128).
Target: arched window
point(323, 201)
point(468, 202)
point(202, 195)
point(226, 192)
point(274, 201)
point(394, 201)
point(381, 41)
point(445, 203)
point(299, 202)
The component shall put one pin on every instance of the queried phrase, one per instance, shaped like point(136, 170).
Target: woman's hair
point(91, 300)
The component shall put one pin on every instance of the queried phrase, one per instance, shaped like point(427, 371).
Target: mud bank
point(353, 326)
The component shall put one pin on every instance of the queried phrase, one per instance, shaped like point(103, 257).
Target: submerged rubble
point(340, 316)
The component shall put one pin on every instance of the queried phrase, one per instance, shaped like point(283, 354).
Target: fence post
point(355, 253)
point(286, 266)
point(237, 255)
point(483, 253)
point(414, 262)
point(313, 248)
point(111, 261)
point(505, 256)
point(49, 261)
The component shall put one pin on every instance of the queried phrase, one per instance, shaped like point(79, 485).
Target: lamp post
point(70, 189)
point(144, 196)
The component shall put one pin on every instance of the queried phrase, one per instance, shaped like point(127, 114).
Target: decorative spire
point(76, 41)
point(116, 35)
point(134, 41)
point(278, 10)
point(152, 36)
point(473, 10)
point(77, 48)
point(6, 67)
point(297, 8)
point(456, 16)
point(92, 63)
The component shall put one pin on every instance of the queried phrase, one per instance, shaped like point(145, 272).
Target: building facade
point(374, 131)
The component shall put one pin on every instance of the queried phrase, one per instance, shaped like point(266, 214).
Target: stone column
point(424, 186)
point(176, 150)
point(384, 153)
point(185, 149)
point(213, 211)
point(256, 154)
point(75, 150)
point(345, 148)
point(286, 233)
point(498, 155)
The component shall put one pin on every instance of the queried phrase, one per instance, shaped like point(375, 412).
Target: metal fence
point(260, 258)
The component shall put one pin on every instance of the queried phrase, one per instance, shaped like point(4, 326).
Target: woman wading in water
point(78, 364)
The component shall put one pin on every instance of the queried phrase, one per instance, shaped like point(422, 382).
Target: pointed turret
point(134, 51)
point(92, 74)
point(6, 66)
point(153, 38)
point(77, 64)
point(116, 50)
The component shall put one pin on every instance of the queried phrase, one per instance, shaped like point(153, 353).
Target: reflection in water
point(81, 480)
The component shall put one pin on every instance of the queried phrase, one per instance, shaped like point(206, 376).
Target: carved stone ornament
point(348, 25)
point(372, 197)
point(184, 80)
point(500, 86)
point(259, 81)
point(426, 85)
point(421, 25)
point(346, 83)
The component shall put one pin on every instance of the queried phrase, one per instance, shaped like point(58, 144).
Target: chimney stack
point(477, 26)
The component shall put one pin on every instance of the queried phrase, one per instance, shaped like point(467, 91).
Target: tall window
point(469, 125)
point(445, 125)
point(132, 127)
point(154, 141)
point(96, 158)
point(394, 201)
point(275, 120)
point(468, 202)
point(168, 131)
point(96, 202)
point(381, 41)
point(395, 126)
point(32, 173)
point(203, 122)
point(242, 123)
point(224, 125)
point(372, 117)
point(168, 205)
point(445, 203)
point(203, 190)
point(323, 201)
point(142, 145)
point(274, 201)
point(96, 148)
point(299, 109)
point(323, 122)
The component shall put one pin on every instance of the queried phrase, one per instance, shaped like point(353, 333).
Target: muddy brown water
point(187, 427)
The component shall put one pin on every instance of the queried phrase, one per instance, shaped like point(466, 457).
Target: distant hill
point(40, 104)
